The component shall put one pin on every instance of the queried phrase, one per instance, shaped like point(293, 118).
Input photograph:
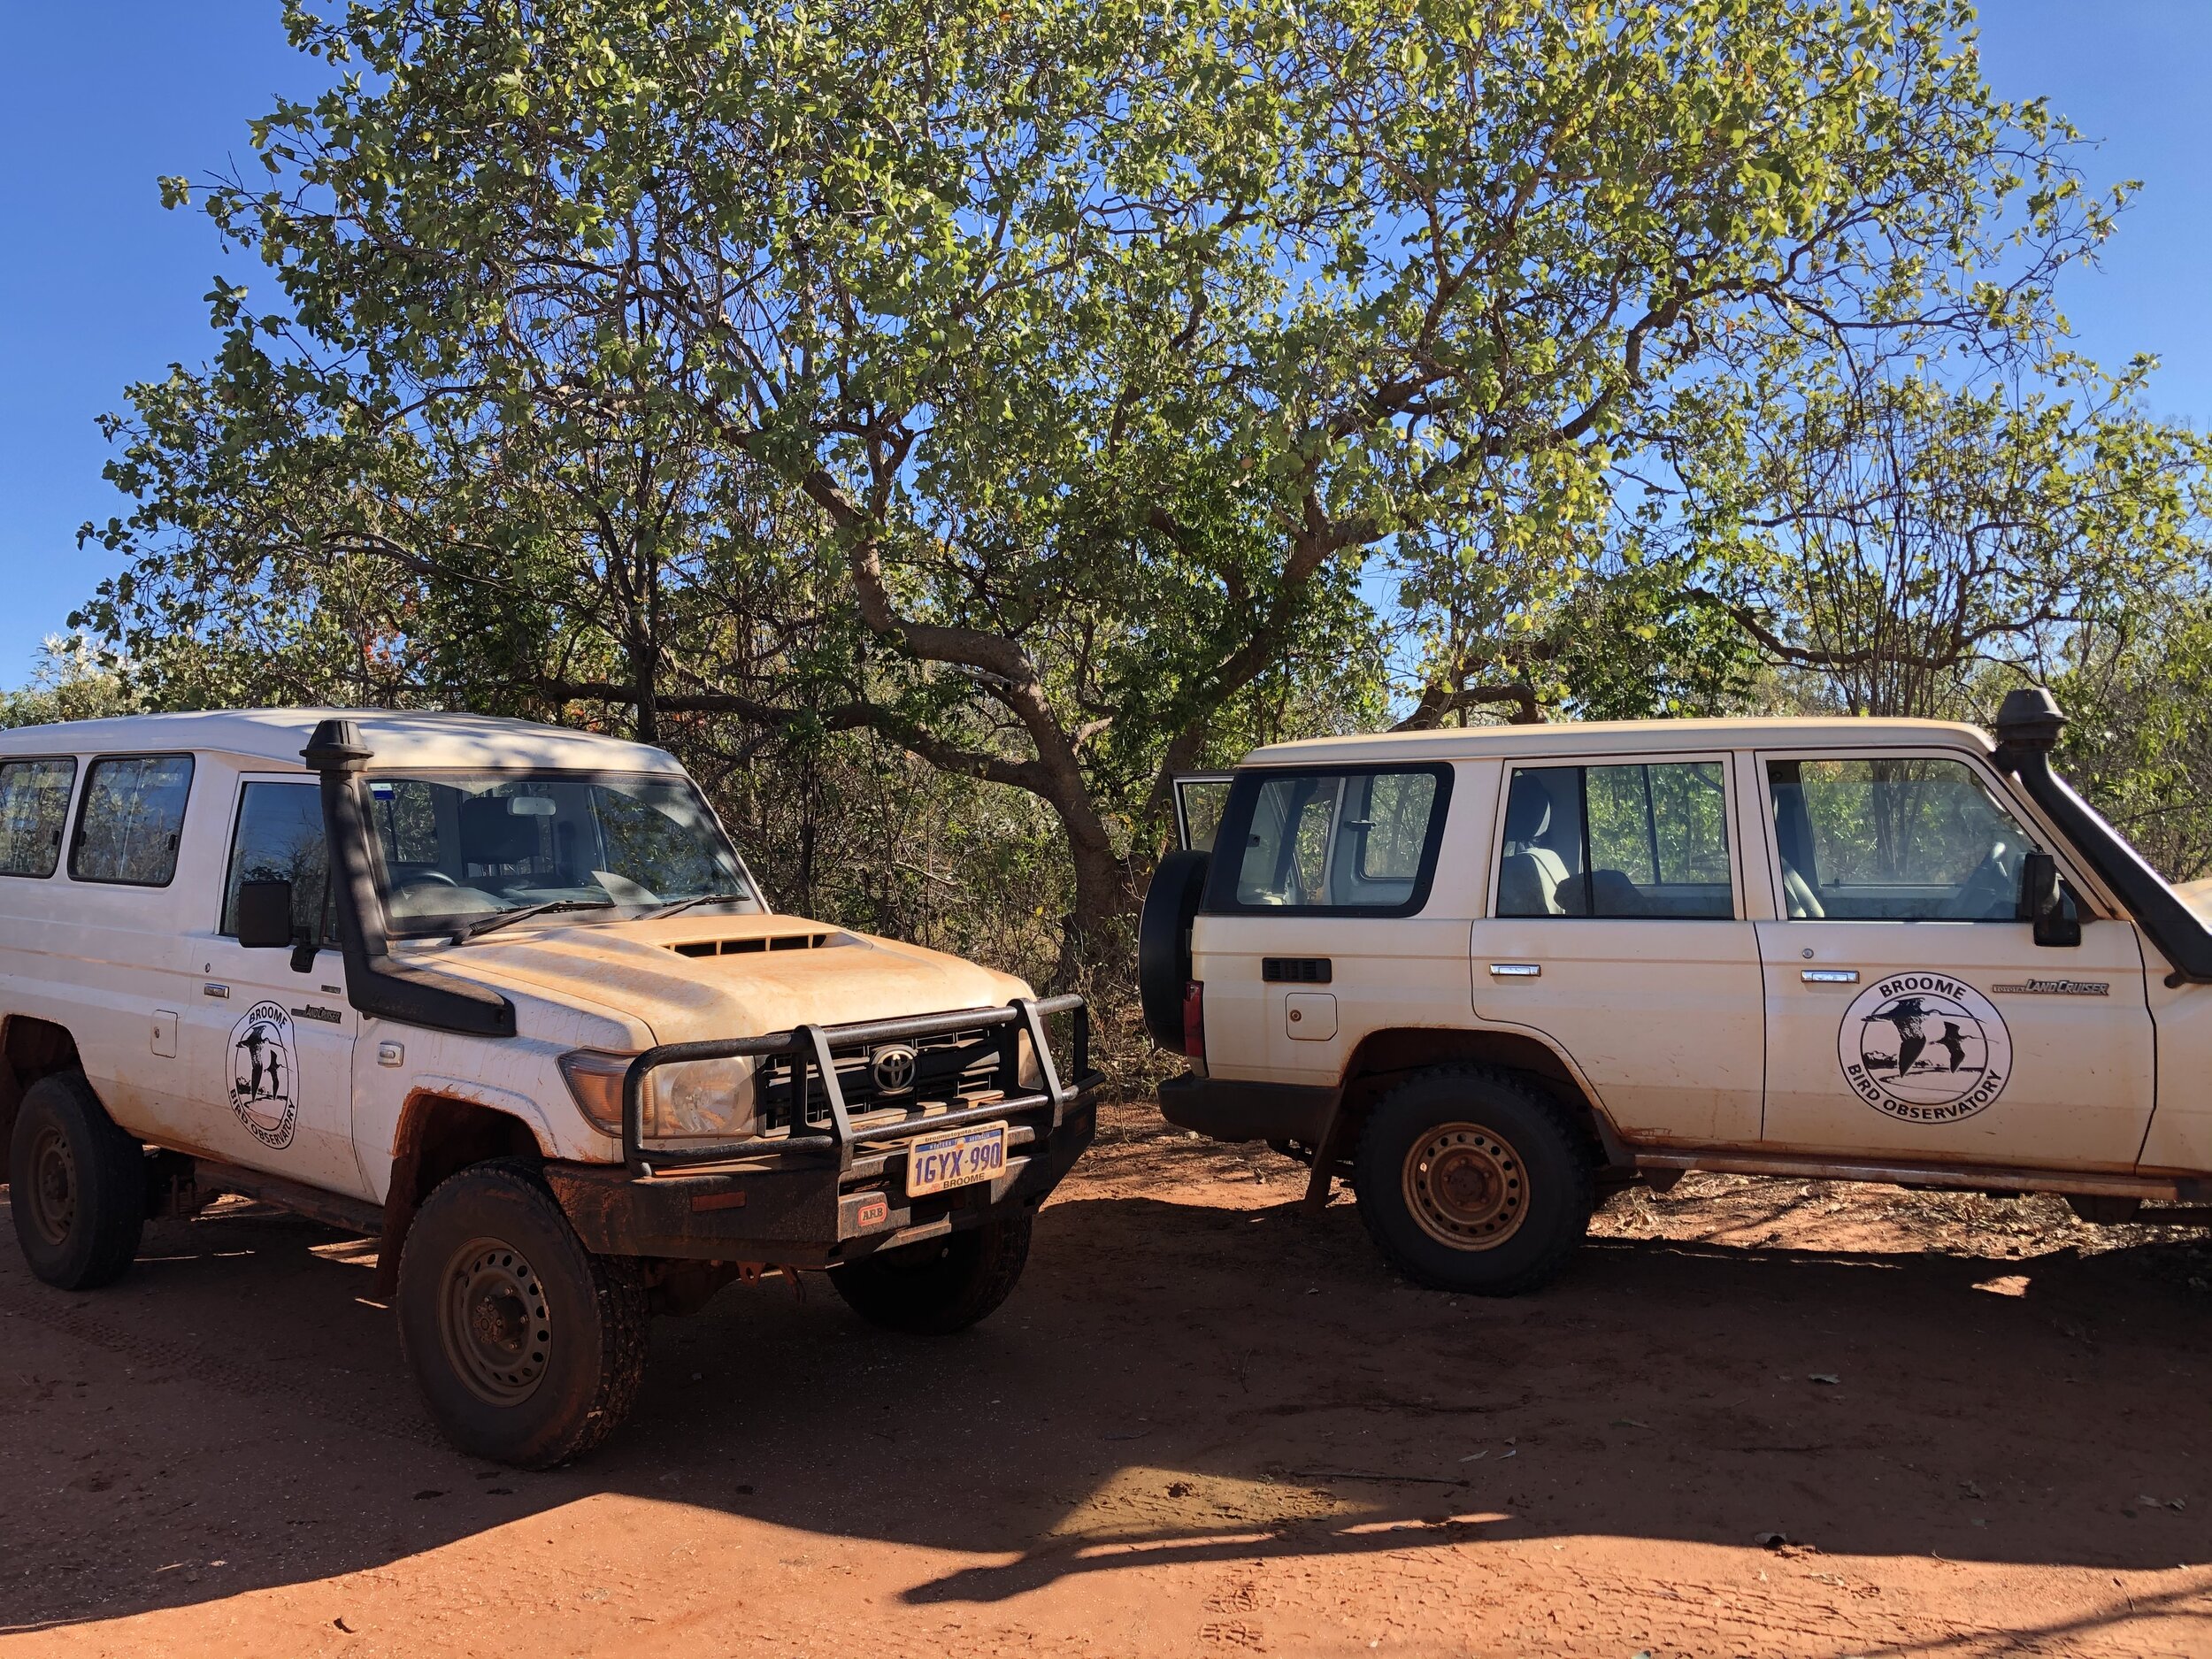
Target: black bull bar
point(829, 1183)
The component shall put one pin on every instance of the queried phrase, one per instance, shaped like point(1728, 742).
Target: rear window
point(132, 816)
point(33, 811)
point(1354, 841)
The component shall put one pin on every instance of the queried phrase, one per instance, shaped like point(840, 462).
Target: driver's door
point(1908, 1012)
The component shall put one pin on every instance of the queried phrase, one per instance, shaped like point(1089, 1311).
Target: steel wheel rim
point(52, 1187)
point(1465, 1186)
point(493, 1318)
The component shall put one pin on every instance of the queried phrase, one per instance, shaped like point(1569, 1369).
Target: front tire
point(1472, 1180)
point(77, 1186)
point(939, 1285)
point(527, 1347)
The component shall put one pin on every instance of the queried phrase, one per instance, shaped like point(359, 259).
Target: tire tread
point(1371, 1180)
point(111, 1176)
point(624, 1315)
point(967, 1297)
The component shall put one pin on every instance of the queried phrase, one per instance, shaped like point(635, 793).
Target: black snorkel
point(2028, 727)
point(377, 984)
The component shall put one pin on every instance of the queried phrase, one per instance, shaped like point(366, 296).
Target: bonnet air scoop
point(749, 943)
point(375, 984)
point(2028, 727)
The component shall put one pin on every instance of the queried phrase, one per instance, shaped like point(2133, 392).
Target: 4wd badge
point(1924, 1047)
point(264, 1074)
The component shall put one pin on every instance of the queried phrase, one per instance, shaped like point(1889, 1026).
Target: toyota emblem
point(893, 1066)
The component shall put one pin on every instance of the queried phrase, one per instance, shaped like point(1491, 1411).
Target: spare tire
point(1163, 944)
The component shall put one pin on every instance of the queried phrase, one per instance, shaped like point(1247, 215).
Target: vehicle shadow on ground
point(1173, 1382)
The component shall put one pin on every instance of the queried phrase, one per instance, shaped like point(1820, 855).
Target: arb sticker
point(1924, 1048)
point(264, 1087)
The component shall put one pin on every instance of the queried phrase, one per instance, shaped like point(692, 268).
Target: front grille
point(953, 1068)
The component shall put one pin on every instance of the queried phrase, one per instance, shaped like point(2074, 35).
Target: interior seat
point(1530, 875)
point(1615, 893)
point(493, 835)
point(1803, 903)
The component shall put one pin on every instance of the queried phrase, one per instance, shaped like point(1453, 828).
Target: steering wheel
point(1988, 893)
point(429, 878)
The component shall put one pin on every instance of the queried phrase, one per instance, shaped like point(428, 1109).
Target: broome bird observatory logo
point(264, 1073)
point(1924, 1048)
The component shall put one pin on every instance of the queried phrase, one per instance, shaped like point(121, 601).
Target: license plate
point(956, 1159)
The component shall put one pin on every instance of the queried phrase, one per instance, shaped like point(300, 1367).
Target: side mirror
point(264, 923)
point(2046, 902)
point(265, 915)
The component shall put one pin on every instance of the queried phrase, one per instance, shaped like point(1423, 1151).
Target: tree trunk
point(644, 661)
point(1099, 936)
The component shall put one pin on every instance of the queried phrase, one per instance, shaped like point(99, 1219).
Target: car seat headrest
point(1527, 809)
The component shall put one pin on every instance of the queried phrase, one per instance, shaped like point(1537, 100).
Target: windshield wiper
point(485, 925)
point(658, 911)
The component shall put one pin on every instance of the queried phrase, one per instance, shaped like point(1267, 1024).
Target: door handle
point(1515, 969)
point(1828, 976)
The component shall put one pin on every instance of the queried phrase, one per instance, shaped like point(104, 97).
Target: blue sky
point(98, 97)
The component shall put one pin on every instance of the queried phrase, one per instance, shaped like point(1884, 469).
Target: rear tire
point(78, 1186)
point(527, 1347)
point(939, 1285)
point(1472, 1180)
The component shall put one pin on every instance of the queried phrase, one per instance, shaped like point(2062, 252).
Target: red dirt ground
point(1205, 1424)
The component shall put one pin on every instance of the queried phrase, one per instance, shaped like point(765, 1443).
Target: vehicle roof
point(1620, 737)
point(275, 737)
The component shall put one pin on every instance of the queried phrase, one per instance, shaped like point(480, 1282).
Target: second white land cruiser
point(1490, 973)
point(505, 998)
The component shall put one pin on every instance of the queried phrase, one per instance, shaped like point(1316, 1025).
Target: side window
point(33, 811)
point(1362, 840)
point(280, 838)
point(131, 816)
point(1617, 841)
point(1894, 839)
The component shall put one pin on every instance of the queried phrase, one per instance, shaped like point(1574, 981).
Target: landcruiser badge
point(1924, 1048)
point(2055, 987)
point(894, 1067)
point(263, 1090)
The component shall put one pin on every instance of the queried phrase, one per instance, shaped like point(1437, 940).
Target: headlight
point(701, 1100)
point(692, 1100)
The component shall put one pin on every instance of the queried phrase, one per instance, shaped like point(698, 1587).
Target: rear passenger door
point(270, 1049)
point(118, 959)
point(1616, 929)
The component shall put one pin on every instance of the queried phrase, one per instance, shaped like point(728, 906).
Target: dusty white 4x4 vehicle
point(1490, 973)
point(505, 998)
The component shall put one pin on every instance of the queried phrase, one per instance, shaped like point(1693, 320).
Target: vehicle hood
point(694, 980)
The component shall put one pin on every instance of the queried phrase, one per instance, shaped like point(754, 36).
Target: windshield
point(458, 847)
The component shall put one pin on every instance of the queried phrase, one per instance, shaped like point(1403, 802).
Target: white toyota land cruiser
point(505, 998)
point(1490, 973)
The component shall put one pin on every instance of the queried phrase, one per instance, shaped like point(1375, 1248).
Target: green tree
point(1898, 536)
point(69, 683)
point(2136, 688)
point(1045, 378)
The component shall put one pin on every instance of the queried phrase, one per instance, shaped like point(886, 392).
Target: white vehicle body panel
point(157, 999)
point(1708, 1035)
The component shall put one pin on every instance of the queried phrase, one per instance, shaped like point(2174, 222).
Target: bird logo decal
point(1924, 1047)
point(264, 1069)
